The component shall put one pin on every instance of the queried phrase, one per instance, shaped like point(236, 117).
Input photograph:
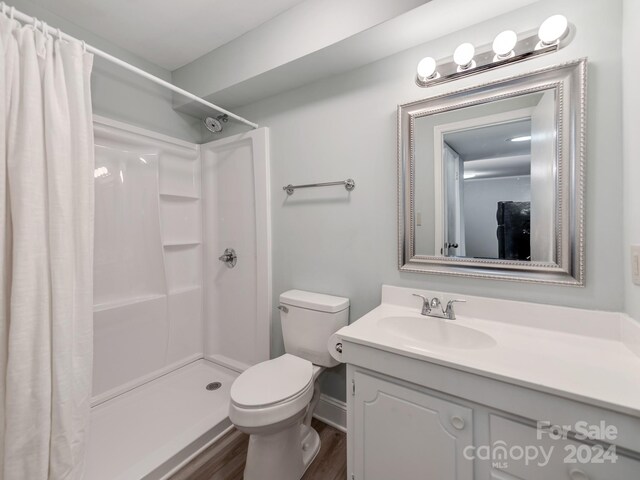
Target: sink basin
point(436, 332)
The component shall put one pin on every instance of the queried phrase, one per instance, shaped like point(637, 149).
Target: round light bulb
point(426, 69)
point(504, 43)
point(553, 29)
point(463, 55)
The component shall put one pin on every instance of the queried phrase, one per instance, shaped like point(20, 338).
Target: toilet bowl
point(274, 400)
point(270, 402)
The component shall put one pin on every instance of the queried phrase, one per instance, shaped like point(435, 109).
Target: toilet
point(273, 401)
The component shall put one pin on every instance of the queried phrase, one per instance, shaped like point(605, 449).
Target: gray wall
point(327, 241)
point(631, 168)
point(481, 199)
point(122, 95)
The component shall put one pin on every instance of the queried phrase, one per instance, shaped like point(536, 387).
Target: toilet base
point(310, 445)
point(283, 455)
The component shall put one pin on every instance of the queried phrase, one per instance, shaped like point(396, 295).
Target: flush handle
point(282, 308)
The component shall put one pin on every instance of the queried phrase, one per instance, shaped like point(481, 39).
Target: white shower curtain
point(46, 254)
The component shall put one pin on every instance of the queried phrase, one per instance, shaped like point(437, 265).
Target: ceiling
point(169, 34)
point(488, 153)
point(491, 141)
point(516, 166)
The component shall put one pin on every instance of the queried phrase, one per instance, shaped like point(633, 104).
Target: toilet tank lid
point(314, 301)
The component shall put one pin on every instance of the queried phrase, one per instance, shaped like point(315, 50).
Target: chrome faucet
point(428, 307)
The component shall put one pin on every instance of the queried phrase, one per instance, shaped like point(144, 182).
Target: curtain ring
point(12, 12)
point(4, 8)
point(45, 30)
point(59, 32)
point(84, 46)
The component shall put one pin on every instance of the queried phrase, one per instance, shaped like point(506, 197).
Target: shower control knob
point(229, 257)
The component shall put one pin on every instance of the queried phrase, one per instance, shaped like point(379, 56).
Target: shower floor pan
point(150, 431)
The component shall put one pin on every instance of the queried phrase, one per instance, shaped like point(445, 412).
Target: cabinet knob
point(576, 474)
point(458, 423)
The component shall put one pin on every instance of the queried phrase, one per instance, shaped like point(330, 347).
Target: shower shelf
point(126, 302)
point(179, 197)
point(187, 289)
point(181, 244)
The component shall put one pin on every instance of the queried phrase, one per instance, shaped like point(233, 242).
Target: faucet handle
point(449, 313)
point(426, 309)
point(456, 300)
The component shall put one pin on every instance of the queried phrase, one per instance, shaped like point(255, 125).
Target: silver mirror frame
point(569, 81)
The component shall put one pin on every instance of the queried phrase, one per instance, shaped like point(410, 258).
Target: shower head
point(214, 125)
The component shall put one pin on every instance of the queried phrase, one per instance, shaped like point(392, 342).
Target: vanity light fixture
point(508, 47)
point(427, 69)
point(552, 30)
point(504, 44)
point(463, 56)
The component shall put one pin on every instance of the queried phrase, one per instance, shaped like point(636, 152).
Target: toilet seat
point(272, 382)
point(271, 392)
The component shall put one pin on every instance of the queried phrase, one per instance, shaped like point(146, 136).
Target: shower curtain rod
point(24, 18)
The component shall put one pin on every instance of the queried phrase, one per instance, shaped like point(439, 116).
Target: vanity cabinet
point(399, 429)
point(487, 396)
point(400, 433)
point(567, 459)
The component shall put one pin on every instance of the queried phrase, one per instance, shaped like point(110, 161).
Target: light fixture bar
point(485, 59)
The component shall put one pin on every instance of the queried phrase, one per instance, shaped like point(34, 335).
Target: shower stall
point(174, 325)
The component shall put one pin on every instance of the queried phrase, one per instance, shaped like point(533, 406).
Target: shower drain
point(213, 386)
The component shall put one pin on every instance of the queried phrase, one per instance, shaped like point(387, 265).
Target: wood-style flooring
point(224, 460)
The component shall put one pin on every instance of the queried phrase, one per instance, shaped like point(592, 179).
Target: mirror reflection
point(485, 180)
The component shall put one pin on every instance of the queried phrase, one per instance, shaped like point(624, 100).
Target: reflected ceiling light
point(552, 30)
point(523, 138)
point(504, 44)
point(427, 69)
point(463, 56)
point(100, 172)
point(469, 175)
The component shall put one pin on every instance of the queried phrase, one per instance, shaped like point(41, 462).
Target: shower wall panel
point(148, 256)
point(236, 207)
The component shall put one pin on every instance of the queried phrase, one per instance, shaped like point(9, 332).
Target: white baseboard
point(332, 412)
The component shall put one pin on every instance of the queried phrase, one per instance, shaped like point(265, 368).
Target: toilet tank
point(308, 321)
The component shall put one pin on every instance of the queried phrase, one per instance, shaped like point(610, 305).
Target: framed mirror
point(491, 179)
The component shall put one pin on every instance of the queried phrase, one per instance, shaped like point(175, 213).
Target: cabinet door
point(403, 434)
point(519, 452)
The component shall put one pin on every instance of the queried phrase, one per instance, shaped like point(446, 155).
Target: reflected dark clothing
point(514, 236)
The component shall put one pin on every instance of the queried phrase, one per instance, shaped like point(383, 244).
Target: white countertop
point(573, 353)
